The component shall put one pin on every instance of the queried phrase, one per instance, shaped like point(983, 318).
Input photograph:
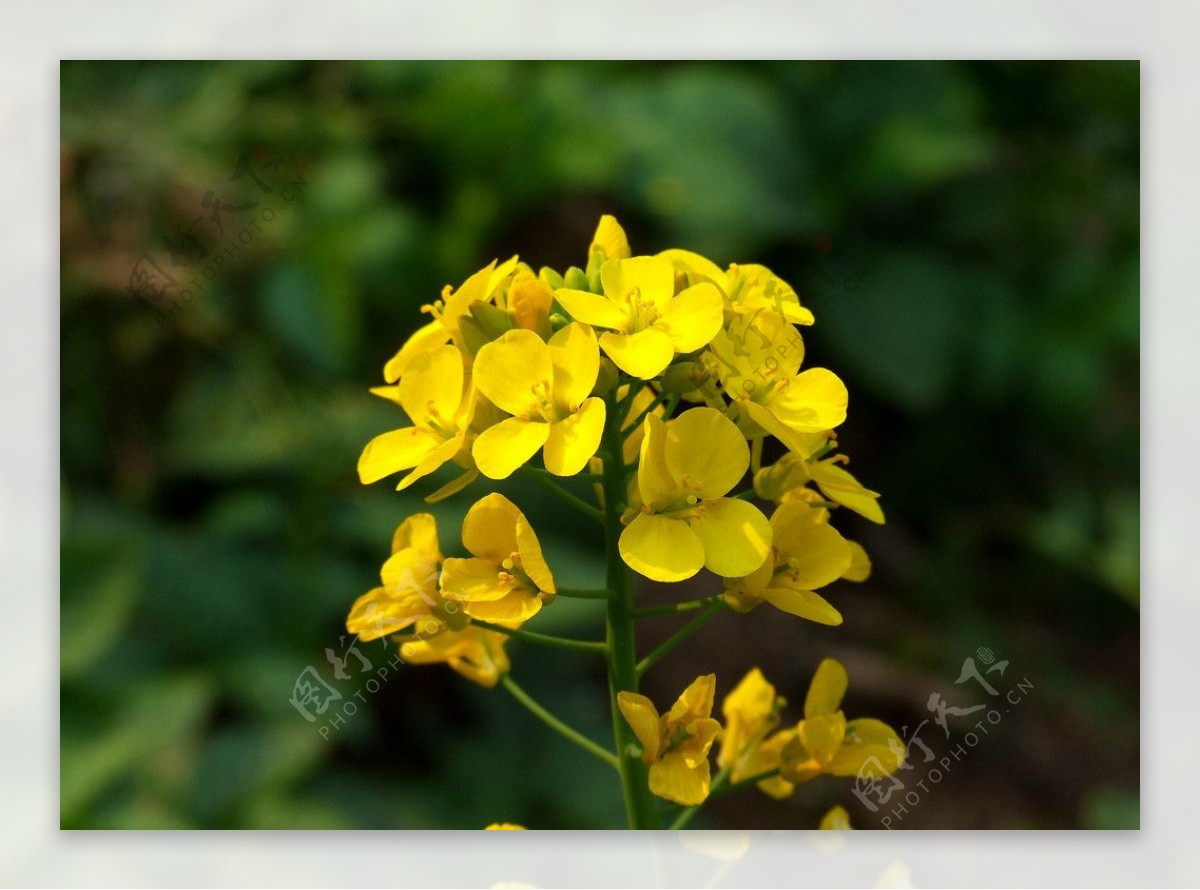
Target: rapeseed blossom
point(643, 392)
point(675, 745)
point(506, 579)
point(686, 522)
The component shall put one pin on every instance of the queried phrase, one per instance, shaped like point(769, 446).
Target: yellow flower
point(753, 287)
point(409, 595)
point(473, 652)
point(758, 362)
point(649, 323)
point(747, 288)
point(433, 395)
point(824, 742)
point(545, 388)
point(507, 580)
point(505, 826)
point(837, 819)
point(676, 745)
point(807, 552)
point(687, 466)
point(447, 313)
point(751, 710)
point(609, 243)
point(792, 472)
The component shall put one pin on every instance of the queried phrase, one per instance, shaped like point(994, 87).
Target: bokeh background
point(966, 233)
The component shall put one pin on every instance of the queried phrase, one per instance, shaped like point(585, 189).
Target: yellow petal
point(757, 349)
point(696, 267)
point(453, 487)
point(797, 441)
point(750, 701)
point(696, 747)
point(394, 451)
point(748, 710)
point(837, 819)
point(518, 605)
point(692, 318)
point(571, 443)
point(660, 548)
point(769, 756)
point(432, 461)
point(823, 736)
point(644, 354)
point(672, 779)
point(803, 604)
point(745, 592)
point(643, 278)
point(641, 715)
point(735, 535)
point(484, 660)
point(860, 563)
point(419, 531)
point(843, 488)
point(868, 743)
point(432, 387)
point(407, 571)
point(695, 702)
point(610, 241)
point(656, 485)
point(425, 338)
point(490, 528)
point(475, 653)
point(532, 560)
point(815, 552)
point(796, 762)
point(510, 370)
point(377, 613)
point(592, 308)
point(575, 355)
point(529, 301)
point(705, 451)
point(500, 450)
point(471, 580)
point(826, 690)
point(505, 826)
point(814, 401)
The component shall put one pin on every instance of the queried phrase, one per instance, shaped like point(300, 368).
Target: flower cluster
point(659, 379)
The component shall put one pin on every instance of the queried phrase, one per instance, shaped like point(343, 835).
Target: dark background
point(967, 235)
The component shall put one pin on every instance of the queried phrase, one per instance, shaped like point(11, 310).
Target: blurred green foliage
point(967, 235)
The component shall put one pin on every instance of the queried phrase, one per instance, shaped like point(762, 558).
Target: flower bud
point(684, 377)
point(576, 279)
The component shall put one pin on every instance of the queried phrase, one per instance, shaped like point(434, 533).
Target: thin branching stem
point(543, 639)
point(572, 735)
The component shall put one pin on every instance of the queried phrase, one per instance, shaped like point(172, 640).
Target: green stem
point(687, 815)
point(580, 594)
point(688, 606)
point(557, 725)
point(679, 636)
point(544, 639)
point(745, 494)
point(578, 503)
point(619, 626)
